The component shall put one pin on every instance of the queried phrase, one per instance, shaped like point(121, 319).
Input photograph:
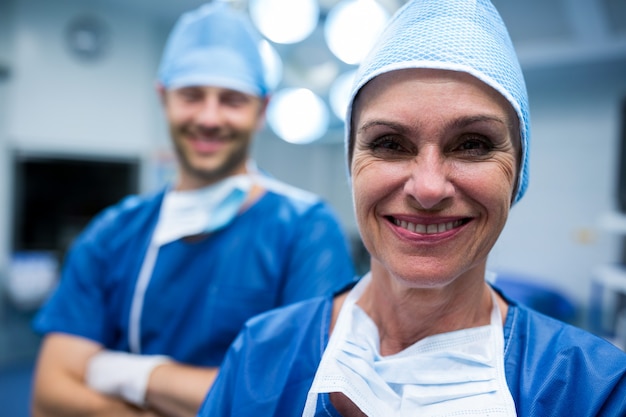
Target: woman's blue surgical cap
point(458, 35)
point(214, 45)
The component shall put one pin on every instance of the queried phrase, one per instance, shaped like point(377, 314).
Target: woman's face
point(433, 172)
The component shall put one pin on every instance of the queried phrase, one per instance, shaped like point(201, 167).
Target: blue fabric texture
point(552, 368)
point(281, 250)
point(214, 45)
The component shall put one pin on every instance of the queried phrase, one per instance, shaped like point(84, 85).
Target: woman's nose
point(429, 180)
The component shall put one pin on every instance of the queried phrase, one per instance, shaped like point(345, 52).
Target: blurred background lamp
point(284, 21)
point(351, 28)
point(273, 64)
point(297, 115)
point(339, 93)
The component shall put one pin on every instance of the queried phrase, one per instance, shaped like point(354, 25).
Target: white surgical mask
point(450, 374)
point(188, 213)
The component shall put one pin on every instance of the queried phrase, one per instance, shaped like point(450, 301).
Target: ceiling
point(563, 32)
point(545, 32)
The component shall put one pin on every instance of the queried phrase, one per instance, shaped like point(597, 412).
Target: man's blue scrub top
point(286, 247)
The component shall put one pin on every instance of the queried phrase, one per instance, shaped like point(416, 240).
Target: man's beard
point(233, 160)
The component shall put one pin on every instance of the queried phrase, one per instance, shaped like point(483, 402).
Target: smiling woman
point(437, 145)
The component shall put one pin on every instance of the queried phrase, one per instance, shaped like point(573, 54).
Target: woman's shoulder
point(526, 324)
point(547, 359)
point(289, 321)
point(293, 337)
point(284, 346)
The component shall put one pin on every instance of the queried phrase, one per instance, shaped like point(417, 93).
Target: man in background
point(157, 287)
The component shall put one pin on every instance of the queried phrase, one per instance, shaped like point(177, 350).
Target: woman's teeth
point(427, 228)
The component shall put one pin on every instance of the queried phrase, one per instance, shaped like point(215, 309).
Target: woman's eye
point(385, 144)
point(475, 146)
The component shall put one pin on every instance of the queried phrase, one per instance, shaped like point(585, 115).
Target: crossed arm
point(60, 387)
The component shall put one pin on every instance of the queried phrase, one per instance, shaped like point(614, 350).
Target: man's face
point(212, 129)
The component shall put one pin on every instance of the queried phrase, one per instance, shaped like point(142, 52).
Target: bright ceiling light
point(285, 21)
point(351, 28)
point(339, 93)
point(297, 115)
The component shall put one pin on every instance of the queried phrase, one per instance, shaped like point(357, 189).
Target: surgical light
point(285, 21)
point(297, 115)
point(351, 28)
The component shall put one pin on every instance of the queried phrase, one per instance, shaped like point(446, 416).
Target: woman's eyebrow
point(458, 123)
point(462, 122)
point(384, 123)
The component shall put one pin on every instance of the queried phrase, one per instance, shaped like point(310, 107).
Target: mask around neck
point(188, 213)
point(449, 374)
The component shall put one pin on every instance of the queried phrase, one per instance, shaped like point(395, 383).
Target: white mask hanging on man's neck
point(188, 213)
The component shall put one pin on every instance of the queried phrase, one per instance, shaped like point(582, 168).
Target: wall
point(66, 104)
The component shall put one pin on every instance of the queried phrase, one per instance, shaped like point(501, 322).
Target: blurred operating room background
point(81, 126)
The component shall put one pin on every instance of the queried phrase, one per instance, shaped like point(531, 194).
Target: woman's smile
point(427, 228)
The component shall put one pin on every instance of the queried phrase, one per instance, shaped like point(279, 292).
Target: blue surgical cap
point(460, 35)
point(214, 45)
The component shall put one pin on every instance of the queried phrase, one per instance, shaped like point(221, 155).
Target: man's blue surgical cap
point(214, 45)
point(459, 35)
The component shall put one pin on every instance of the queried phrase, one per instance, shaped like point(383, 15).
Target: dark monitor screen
point(55, 197)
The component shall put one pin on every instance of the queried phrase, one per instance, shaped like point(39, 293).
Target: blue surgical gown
point(286, 247)
point(552, 368)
